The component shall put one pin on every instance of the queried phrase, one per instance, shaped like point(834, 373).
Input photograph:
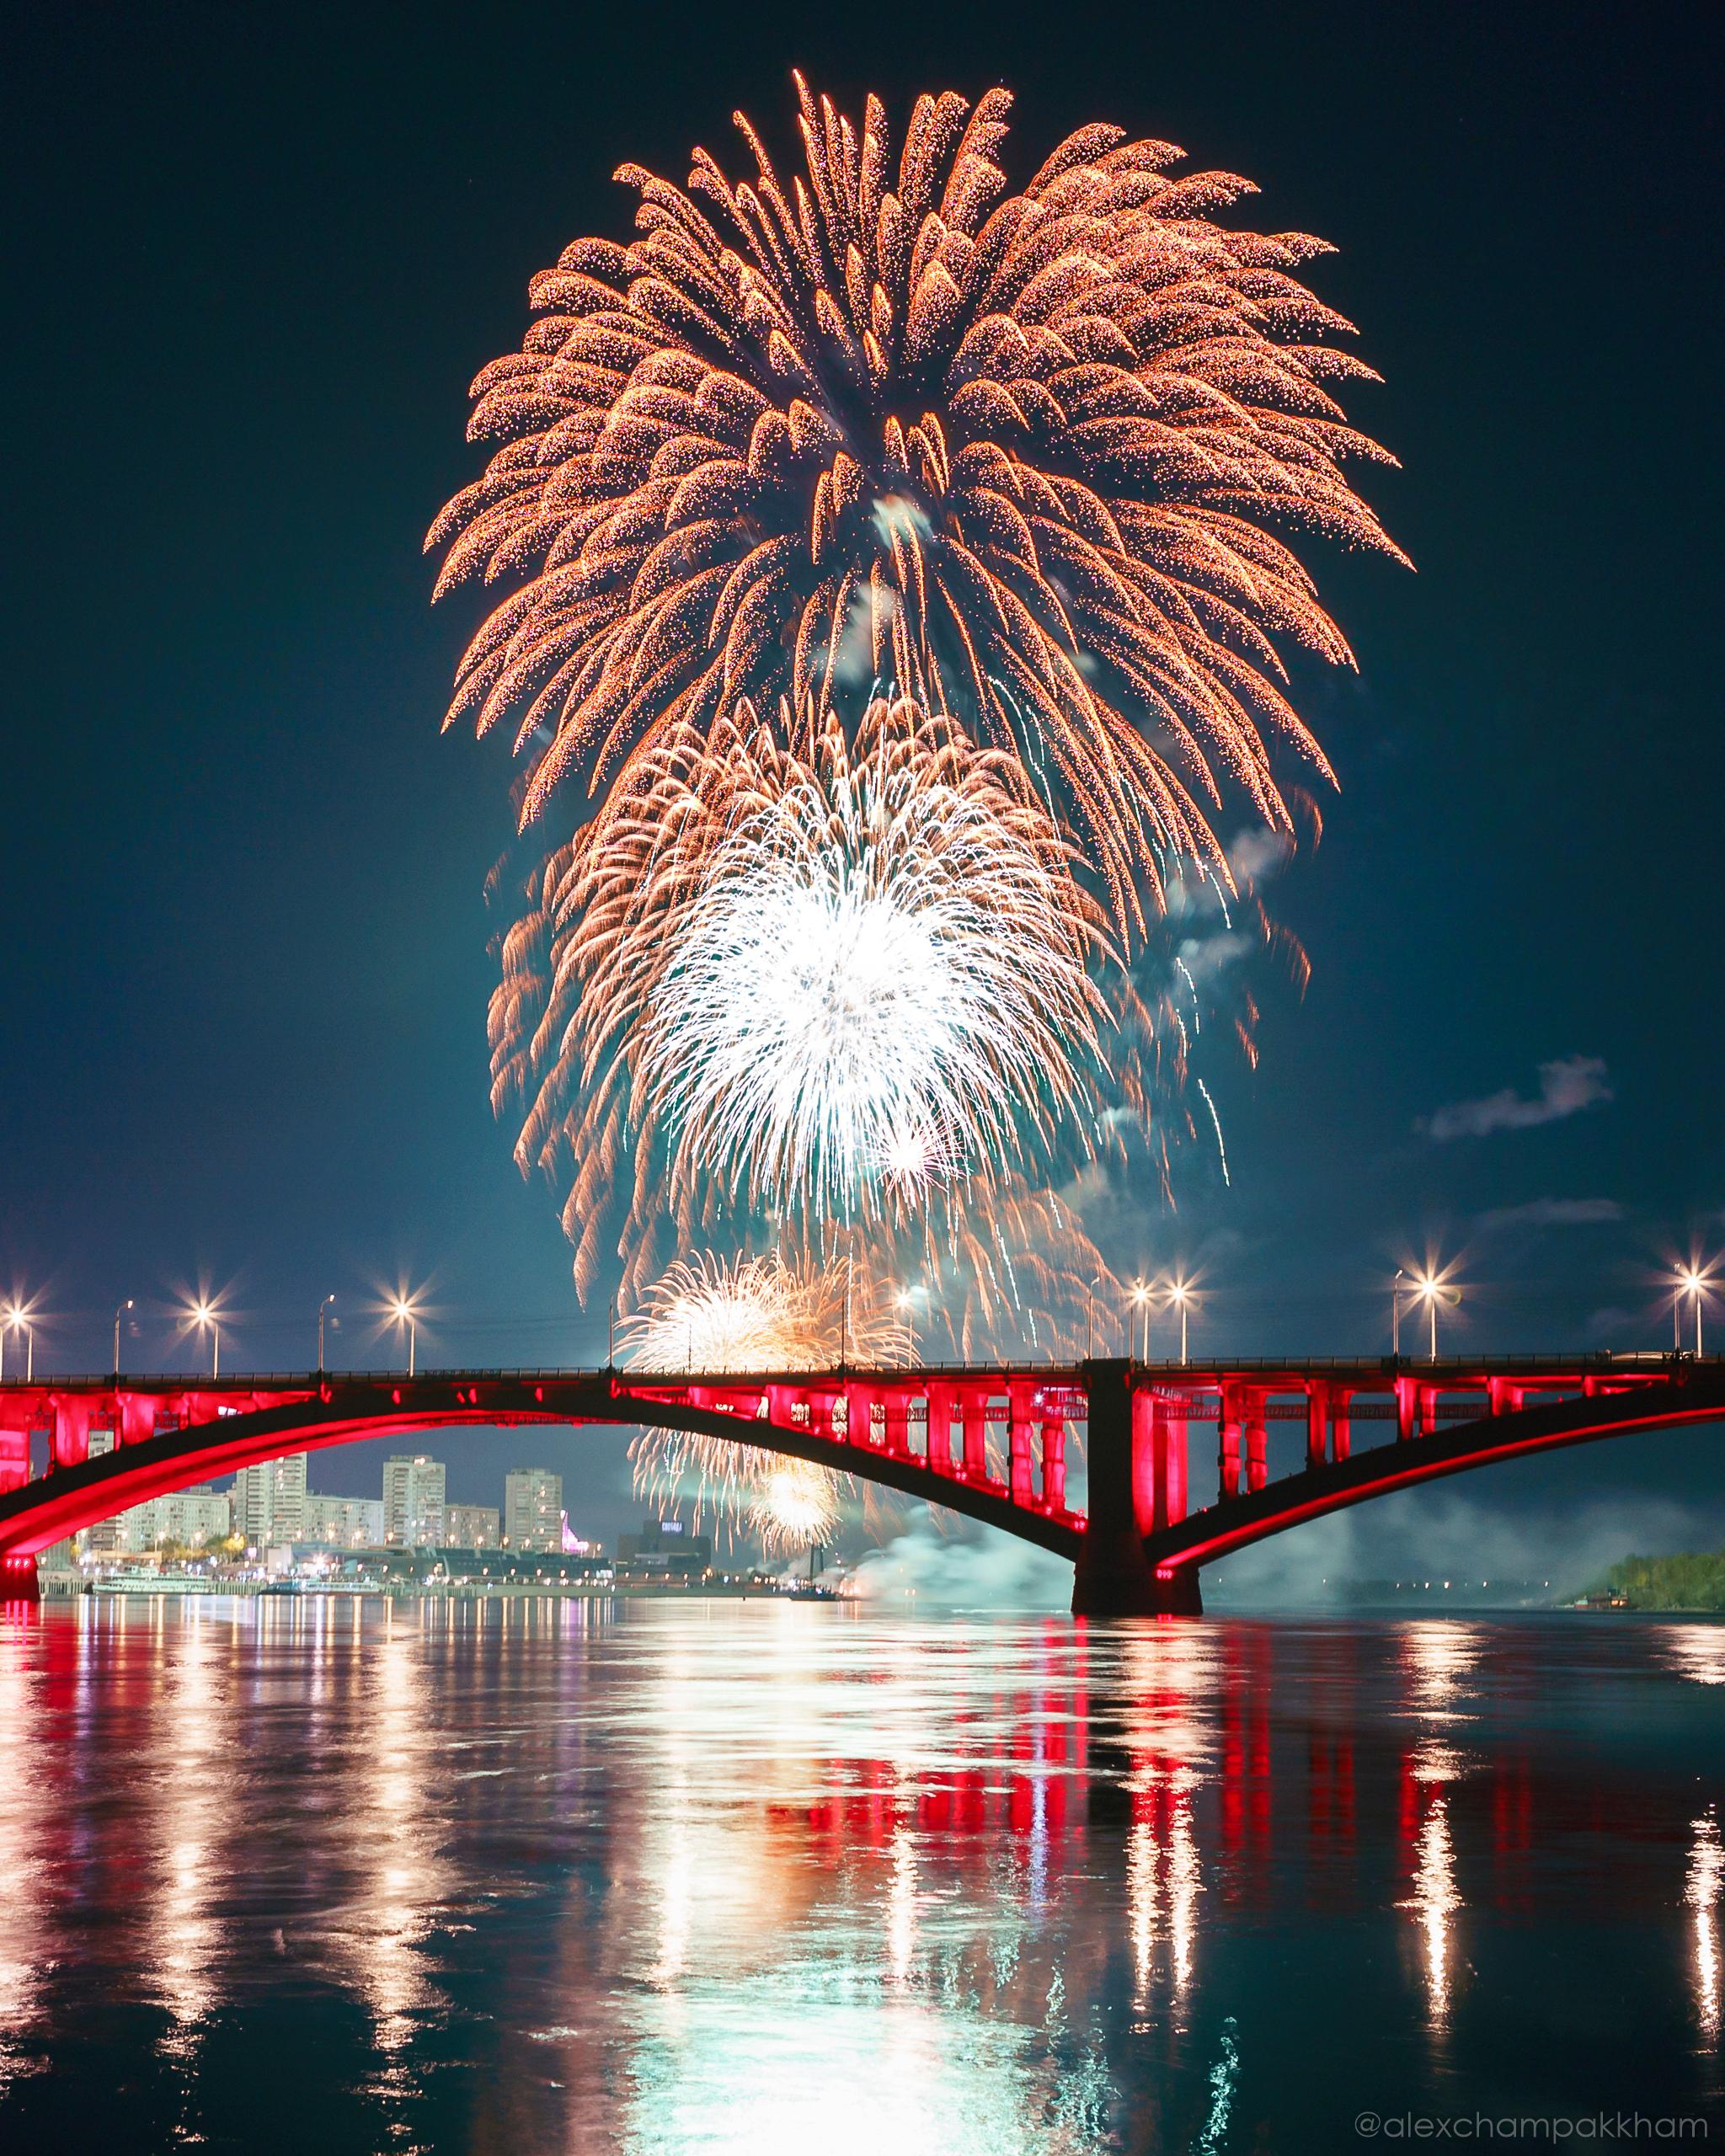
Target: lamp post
point(205, 1319)
point(322, 1307)
point(1395, 1314)
point(1180, 1291)
point(118, 1315)
point(403, 1313)
point(907, 1298)
point(1429, 1286)
point(16, 1318)
point(1690, 1282)
point(1140, 1301)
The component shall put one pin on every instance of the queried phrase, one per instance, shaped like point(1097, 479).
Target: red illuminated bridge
point(989, 1443)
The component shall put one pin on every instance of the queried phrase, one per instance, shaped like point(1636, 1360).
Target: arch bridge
point(990, 1443)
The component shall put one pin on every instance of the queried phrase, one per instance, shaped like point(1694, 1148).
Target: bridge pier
point(18, 1578)
point(1113, 1577)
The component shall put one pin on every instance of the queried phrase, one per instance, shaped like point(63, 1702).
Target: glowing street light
point(322, 1307)
point(1396, 1313)
point(907, 1301)
point(1692, 1282)
point(1180, 1293)
point(203, 1315)
point(1141, 1297)
point(118, 1315)
point(16, 1318)
point(1428, 1288)
point(406, 1313)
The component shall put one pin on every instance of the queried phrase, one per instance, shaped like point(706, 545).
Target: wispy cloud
point(1552, 1212)
point(1571, 1084)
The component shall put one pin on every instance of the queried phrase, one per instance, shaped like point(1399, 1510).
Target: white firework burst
point(878, 982)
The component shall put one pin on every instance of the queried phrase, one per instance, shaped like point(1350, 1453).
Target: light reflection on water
point(721, 1877)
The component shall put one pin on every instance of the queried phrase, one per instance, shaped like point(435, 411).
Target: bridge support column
point(71, 1442)
point(1113, 1577)
point(1158, 1464)
point(940, 1427)
point(18, 1579)
point(974, 1401)
point(1318, 1417)
point(1341, 1432)
point(1053, 1463)
point(1258, 1472)
point(1023, 1431)
point(1228, 1443)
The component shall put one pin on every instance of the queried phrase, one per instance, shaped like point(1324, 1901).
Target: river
point(331, 1876)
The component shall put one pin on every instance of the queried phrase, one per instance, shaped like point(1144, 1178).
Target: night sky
point(255, 257)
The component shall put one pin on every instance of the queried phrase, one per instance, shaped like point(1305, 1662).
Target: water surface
point(337, 1876)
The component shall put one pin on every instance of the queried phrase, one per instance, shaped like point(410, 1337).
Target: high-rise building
point(413, 1501)
point(343, 1523)
point(270, 1501)
point(187, 1517)
point(471, 1527)
point(533, 1508)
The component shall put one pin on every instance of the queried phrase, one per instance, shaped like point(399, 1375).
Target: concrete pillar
point(1053, 1463)
point(1159, 1462)
point(1112, 1578)
point(941, 1398)
point(1023, 1433)
point(1228, 1443)
point(72, 1431)
point(1258, 1471)
point(1341, 1432)
point(1317, 1415)
point(975, 1399)
point(18, 1577)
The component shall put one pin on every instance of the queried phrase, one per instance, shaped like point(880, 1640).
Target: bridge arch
point(1136, 1549)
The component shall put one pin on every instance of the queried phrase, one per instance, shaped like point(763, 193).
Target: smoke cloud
point(983, 1570)
point(1432, 1535)
point(1567, 1087)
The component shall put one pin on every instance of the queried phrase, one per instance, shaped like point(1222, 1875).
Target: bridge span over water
point(991, 1443)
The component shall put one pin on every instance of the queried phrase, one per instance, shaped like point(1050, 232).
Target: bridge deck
point(988, 1441)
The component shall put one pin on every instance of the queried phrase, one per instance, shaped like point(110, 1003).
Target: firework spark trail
point(812, 971)
point(657, 1013)
point(1018, 452)
point(757, 1315)
point(880, 978)
point(992, 1261)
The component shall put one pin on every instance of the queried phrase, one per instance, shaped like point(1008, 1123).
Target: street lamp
point(1140, 1301)
point(1690, 1282)
point(118, 1315)
point(203, 1318)
point(1180, 1291)
point(322, 1307)
point(405, 1313)
point(907, 1298)
point(1396, 1313)
point(1429, 1287)
point(17, 1319)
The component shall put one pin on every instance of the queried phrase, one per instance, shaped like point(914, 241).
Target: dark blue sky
point(254, 257)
